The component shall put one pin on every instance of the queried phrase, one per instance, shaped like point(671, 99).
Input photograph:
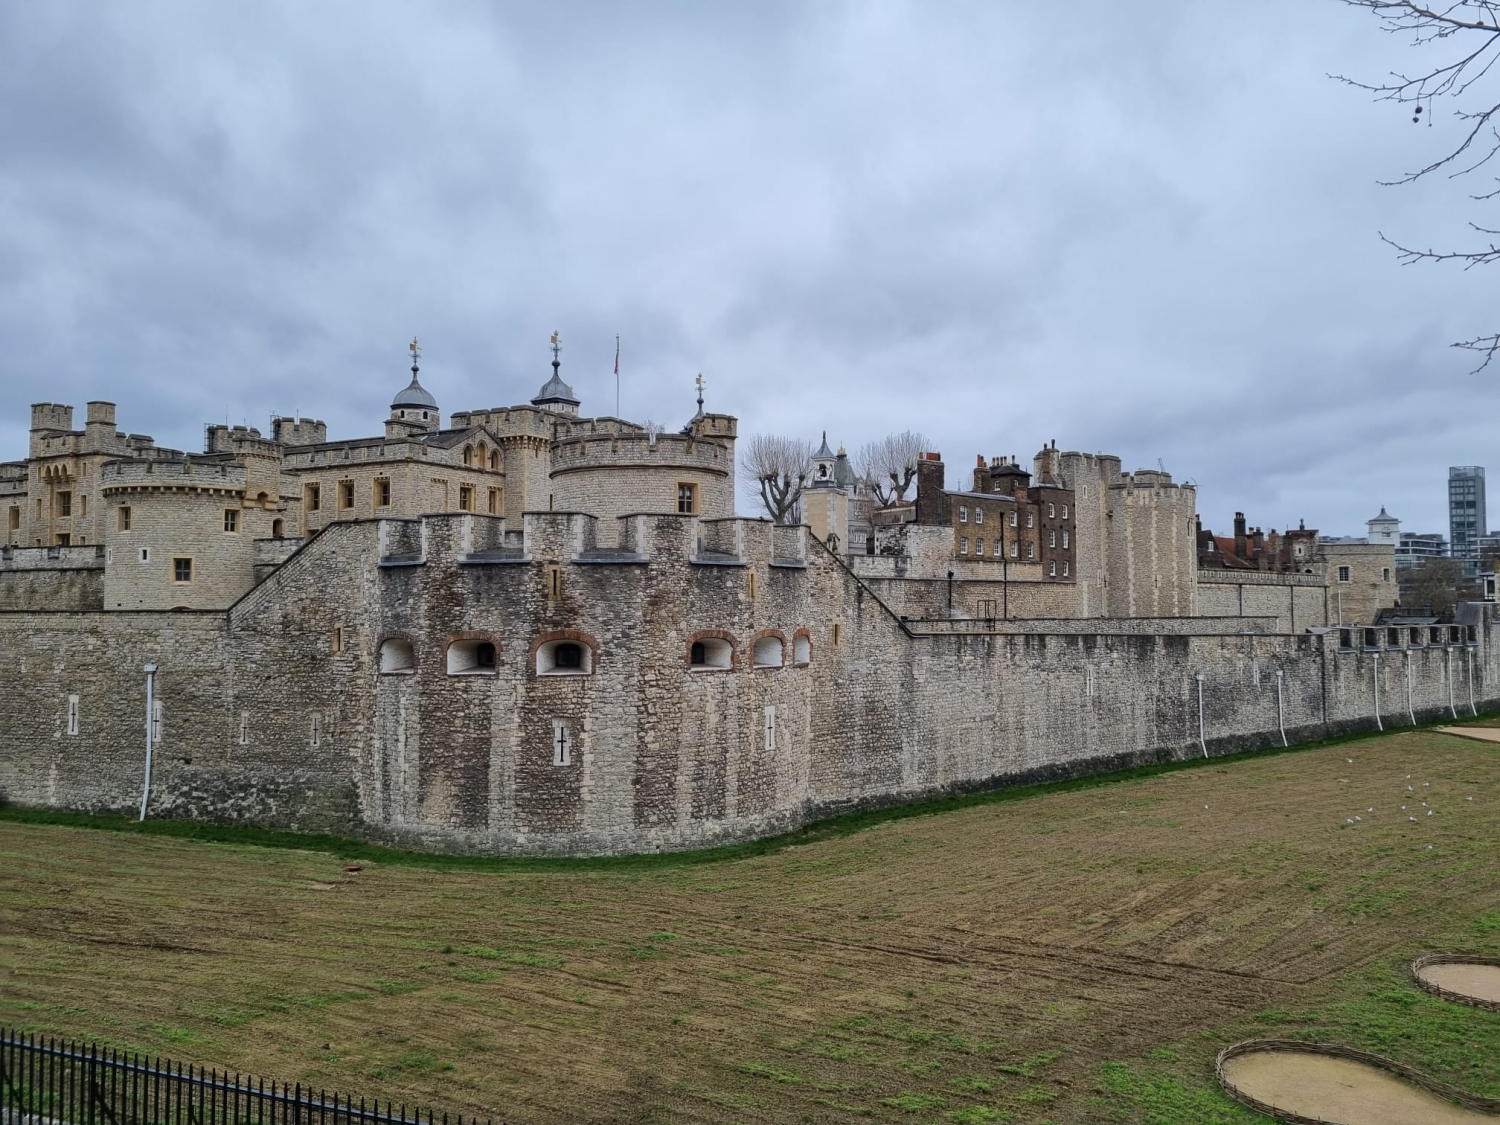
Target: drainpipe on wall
point(1448, 653)
point(1202, 745)
point(1375, 679)
point(150, 707)
point(1469, 664)
point(1280, 722)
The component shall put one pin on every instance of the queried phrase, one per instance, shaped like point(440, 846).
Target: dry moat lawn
point(1071, 957)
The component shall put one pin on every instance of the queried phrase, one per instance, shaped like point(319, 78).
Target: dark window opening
point(568, 656)
point(484, 655)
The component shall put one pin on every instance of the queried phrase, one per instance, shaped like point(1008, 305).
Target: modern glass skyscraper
point(1466, 515)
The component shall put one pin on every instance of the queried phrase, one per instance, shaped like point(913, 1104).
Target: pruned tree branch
point(1473, 27)
point(780, 466)
point(889, 465)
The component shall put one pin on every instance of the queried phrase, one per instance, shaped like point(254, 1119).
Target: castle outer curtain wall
point(277, 711)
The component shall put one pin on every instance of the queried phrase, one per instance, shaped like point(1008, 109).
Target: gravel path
point(1343, 1091)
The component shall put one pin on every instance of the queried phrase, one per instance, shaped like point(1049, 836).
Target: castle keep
point(538, 632)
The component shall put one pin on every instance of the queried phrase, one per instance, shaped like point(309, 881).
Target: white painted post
point(1202, 745)
point(1469, 664)
point(1280, 722)
point(1448, 656)
point(150, 723)
point(1375, 677)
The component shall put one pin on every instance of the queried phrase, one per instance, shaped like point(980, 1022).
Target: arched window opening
point(471, 658)
point(263, 500)
point(468, 455)
point(711, 654)
point(278, 528)
point(495, 461)
point(564, 658)
point(767, 653)
point(397, 655)
point(801, 649)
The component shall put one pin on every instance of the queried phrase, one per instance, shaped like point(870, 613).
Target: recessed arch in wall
point(397, 656)
point(564, 652)
point(768, 649)
point(802, 648)
point(471, 654)
point(711, 650)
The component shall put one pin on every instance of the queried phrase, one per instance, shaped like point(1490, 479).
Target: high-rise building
point(1466, 515)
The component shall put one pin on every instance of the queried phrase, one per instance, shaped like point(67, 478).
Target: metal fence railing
point(45, 1081)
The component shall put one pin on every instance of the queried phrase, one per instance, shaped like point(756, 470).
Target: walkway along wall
point(277, 712)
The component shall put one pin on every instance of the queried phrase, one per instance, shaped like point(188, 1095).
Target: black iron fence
point(45, 1081)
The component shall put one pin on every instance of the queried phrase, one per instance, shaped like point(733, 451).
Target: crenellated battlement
point(639, 449)
point(173, 473)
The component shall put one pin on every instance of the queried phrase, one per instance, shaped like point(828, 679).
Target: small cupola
point(555, 394)
point(414, 406)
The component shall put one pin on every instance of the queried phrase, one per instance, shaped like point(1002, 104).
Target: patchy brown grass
point(1076, 957)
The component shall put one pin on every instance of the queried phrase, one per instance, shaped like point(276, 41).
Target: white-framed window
point(1065, 512)
point(1013, 519)
point(1343, 574)
point(1052, 539)
point(1015, 549)
point(1031, 550)
point(963, 545)
point(1065, 568)
point(562, 744)
point(72, 714)
point(1052, 569)
point(1030, 519)
point(1051, 511)
point(979, 546)
point(963, 513)
point(1065, 539)
point(978, 515)
point(771, 727)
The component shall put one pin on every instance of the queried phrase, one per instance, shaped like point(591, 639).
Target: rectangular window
point(1065, 512)
point(466, 497)
point(687, 499)
point(1052, 539)
point(122, 518)
point(83, 505)
point(145, 554)
point(1031, 550)
point(1343, 574)
point(382, 493)
point(231, 519)
point(39, 508)
point(1030, 517)
point(835, 633)
point(64, 504)
point(15, 519)
point(771, 728)
point(1065, 568)
point(978, 515)
point(963, 545)
point(1065, 540)
point(562, 744)
point(554, 581)
point(182, 570)
point(496, 503)
point(1385, 574)
point(72, 714)
point(64, 539)
point(1051, 510)
point(1015, 549)
point(979, 546)
point(963, 513)
point(1052, 569)
point(314, 495)
point(1013, 519)
point(336, 643)
point(346, 494)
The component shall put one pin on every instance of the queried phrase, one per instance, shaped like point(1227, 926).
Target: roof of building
point(555, 390)
point(1383, 517)
point(824, 453)
point(843, 471)
point(414, 395)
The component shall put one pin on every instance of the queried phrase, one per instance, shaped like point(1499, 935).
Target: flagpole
point(617, 377)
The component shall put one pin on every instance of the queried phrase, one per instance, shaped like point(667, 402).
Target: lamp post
point(150, 712)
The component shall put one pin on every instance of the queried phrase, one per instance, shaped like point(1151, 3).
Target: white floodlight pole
point(150, 711)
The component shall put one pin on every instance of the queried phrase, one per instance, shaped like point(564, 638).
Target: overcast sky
point(1145, 229)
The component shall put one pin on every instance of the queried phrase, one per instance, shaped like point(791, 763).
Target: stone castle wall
point(51, 578)
point(1295, 602)
point(276, 711)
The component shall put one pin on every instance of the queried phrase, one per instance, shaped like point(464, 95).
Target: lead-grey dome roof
point(414, 395)
point(555, 390)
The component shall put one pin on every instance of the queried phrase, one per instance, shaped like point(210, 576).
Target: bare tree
point(1469, 30)
point(781, 467)
point(1436, 584)
point(890, 465)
